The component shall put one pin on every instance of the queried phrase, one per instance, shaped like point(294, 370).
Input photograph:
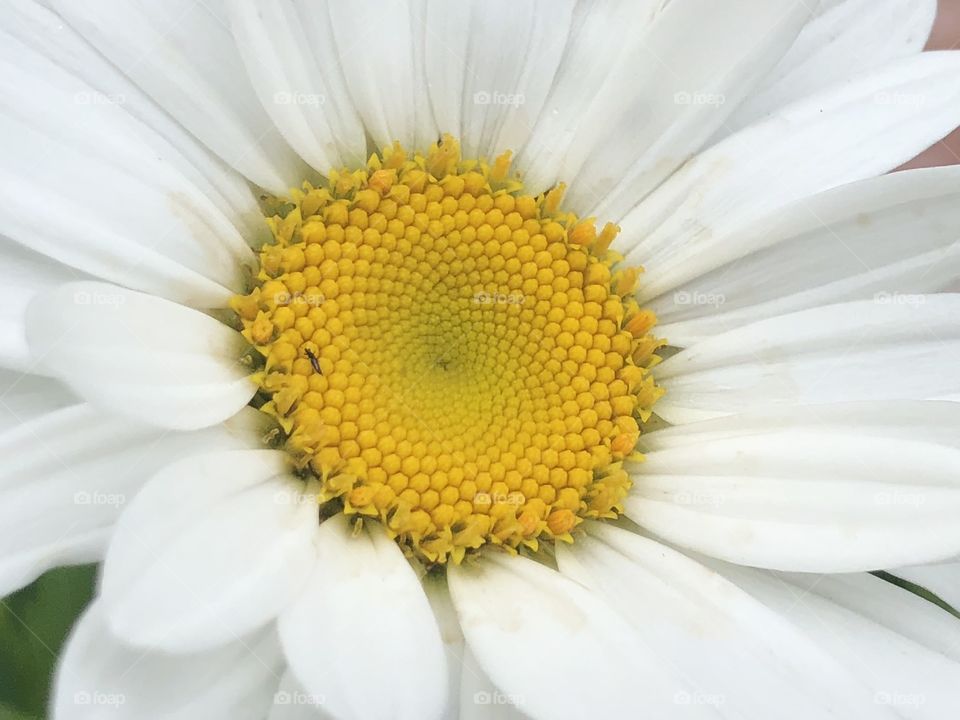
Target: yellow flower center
point(456, 359)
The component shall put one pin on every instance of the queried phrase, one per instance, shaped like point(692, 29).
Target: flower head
point(430, 360)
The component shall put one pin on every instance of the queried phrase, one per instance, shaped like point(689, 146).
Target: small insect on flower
point(314, 361)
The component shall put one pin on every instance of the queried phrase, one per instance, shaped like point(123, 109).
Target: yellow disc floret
point(463, 362)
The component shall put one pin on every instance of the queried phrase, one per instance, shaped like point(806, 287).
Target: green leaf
point(927, 595)
point(8, 713)
point(34, 623)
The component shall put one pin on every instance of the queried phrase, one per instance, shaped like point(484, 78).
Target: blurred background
point(945, 36)
point(35, 621)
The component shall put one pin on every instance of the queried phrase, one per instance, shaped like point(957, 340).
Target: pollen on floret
point(449, 356)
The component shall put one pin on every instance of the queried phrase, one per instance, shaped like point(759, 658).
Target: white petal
point(362, 634)
point(435, 586)
point(445, 60)
point(669, 95)
point(735, 653)
point(211, 548)
point(486, 85)
point(140, 356)
point(294, 69)
point(924, 420)
point(43, 549)
point(556, 649)
point(824, 6)
point(886, 604)
point(901, 647)
point(942, 579)
point(853, 37)
point(890, 348)
point(25, 397)
point(387, 80)
point(182, 54)
point(100, 677)
point(810, 497)
point(28, 274)
point(844, 244)
point(602, 35)
point(46, 33)
point(541, 49)
point(848, 133)
point(89, 185)
point(71, 472)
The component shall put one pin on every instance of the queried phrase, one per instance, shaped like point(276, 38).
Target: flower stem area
point(34, 623)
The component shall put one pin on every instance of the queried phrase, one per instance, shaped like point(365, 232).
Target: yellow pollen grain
point(452, 357)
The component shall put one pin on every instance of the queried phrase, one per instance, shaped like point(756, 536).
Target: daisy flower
point(421, 360)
